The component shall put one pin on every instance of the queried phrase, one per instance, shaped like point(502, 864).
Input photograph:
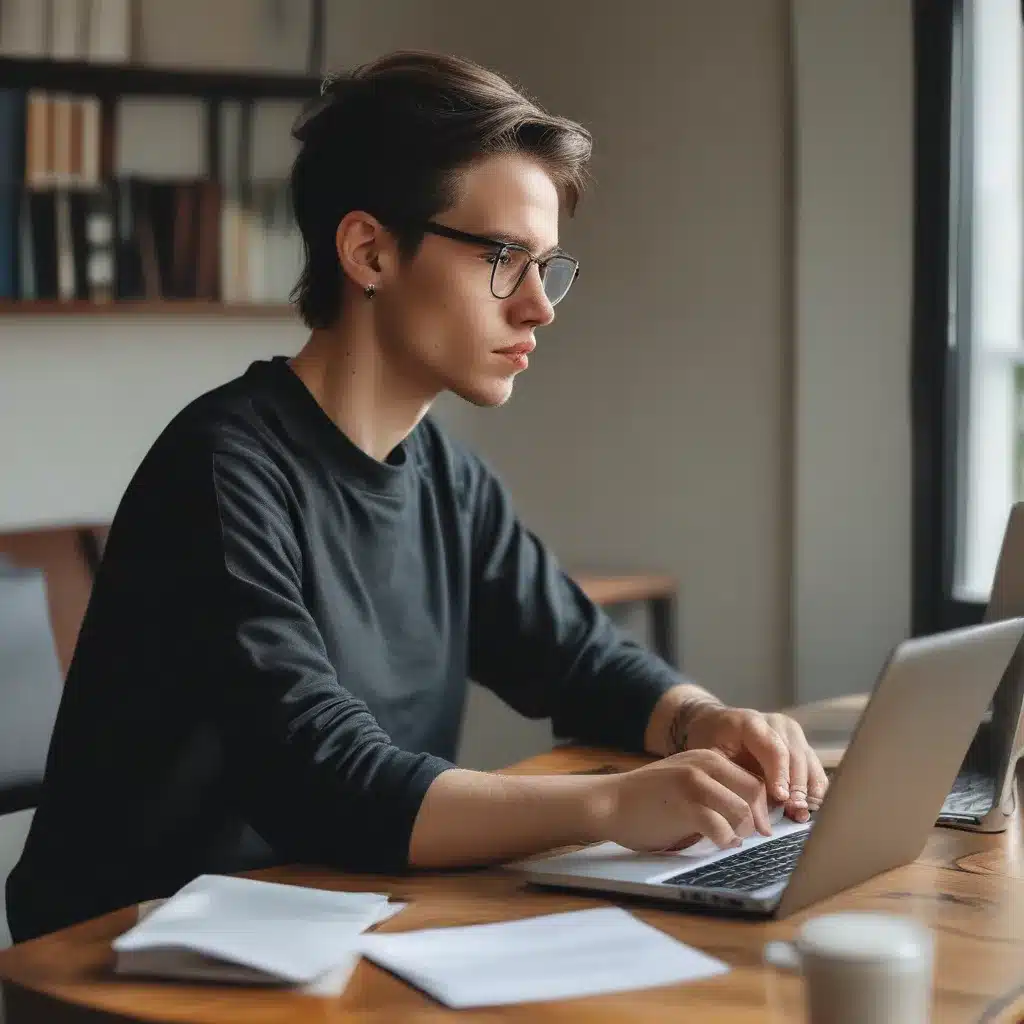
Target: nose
point(535, 307)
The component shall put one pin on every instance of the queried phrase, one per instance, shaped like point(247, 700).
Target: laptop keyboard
point(973, 795)
point(753, 869)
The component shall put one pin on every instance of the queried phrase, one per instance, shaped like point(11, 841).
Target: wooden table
point(969, 888)
point(657, 590)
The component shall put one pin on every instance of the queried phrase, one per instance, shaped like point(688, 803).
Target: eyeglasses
point(511, 262)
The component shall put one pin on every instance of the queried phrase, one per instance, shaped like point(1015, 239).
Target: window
point(968, 373)
point(989, 328)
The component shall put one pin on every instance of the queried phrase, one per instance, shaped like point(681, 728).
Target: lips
point(522, 349)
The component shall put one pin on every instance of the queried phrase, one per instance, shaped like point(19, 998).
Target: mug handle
point(782, 954)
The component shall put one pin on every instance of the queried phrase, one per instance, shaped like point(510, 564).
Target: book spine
point(12, 176)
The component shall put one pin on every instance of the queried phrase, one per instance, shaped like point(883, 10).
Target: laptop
point(984, 795)
point(882, 802)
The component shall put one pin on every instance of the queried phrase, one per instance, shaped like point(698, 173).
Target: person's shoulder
point(230, 418)
point(177, 479)
point(224, 423)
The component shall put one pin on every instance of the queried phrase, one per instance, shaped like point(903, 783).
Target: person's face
point(437, 314)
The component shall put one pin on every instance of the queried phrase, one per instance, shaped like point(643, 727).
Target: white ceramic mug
point(862, 968)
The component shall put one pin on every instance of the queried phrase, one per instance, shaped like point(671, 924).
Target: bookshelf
point(115, 80)
point(219, 93)
point(146, 307)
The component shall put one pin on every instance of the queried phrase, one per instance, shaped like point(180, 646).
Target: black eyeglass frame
point(433, 228)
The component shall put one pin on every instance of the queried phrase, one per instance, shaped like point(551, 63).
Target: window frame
point(940, 361)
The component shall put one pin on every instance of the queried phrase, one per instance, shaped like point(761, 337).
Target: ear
point(364, 247)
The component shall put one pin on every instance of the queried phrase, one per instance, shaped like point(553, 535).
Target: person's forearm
point(469, 818)
point(666, 728)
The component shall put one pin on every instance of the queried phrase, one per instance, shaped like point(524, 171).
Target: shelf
point(150, 307)
point(134, 79)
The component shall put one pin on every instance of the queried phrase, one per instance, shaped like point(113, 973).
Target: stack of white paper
point(558, 956)
point(219, 928)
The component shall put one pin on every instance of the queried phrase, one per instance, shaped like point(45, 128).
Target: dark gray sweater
point(273, 664)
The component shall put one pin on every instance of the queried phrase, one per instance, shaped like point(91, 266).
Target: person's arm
point(547, 650)
point(478, 818)
point(470, 817)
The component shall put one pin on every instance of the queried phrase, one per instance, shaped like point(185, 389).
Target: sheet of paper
point(289, 933)
point(557, 956)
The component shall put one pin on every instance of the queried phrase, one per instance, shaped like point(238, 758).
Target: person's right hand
point(671, 803)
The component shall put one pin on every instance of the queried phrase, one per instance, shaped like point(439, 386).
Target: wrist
point(685, 716)
point(568, 810)
point(598, 808)
point(672, 715)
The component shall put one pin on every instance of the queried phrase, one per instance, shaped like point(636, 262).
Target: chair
point(45, 578)
point(68, 557)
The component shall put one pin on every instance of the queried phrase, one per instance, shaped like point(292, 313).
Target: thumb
point(682, 844)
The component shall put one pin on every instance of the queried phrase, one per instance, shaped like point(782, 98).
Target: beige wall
point(655, 425)
point(854, 166)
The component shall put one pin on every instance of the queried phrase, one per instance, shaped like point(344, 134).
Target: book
point(240, 930)
point(12, 174)
point(24, 28)
point(109, 31)
point(68, 24)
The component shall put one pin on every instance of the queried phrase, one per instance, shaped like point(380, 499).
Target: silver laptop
point(983, 795)
point(880, 807)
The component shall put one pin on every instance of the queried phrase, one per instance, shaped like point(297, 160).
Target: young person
point(305, 569)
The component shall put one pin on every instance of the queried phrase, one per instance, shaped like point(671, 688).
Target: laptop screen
point(993, 751)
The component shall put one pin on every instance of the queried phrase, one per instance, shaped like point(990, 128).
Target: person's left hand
point(770, 745)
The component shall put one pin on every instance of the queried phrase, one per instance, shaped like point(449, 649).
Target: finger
point(731, 805)
point(796, 806)
point(771, 753)
point(742, 782)
point(817, 780)
point(734, 795)
point(716, 828)
point(797, 813)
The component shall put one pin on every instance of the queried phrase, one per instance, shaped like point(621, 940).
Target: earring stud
point(370, 290)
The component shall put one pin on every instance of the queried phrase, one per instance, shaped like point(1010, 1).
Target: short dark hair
point(390, 137)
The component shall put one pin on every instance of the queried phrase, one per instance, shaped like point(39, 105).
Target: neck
point(369, 399)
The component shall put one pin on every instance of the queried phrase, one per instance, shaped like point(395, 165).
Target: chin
point(487, 394)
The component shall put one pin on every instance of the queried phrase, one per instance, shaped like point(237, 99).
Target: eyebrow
point(513, 239)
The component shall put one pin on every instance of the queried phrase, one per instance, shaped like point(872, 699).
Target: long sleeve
point(542, 645)
point(316, 775)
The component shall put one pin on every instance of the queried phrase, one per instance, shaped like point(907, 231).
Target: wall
point(853, 156)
